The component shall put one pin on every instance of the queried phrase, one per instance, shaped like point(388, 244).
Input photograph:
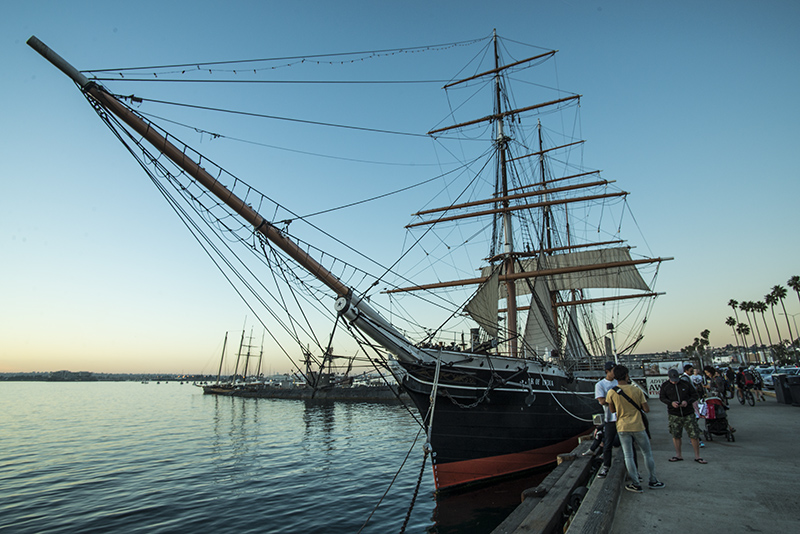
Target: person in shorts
point(679, 395)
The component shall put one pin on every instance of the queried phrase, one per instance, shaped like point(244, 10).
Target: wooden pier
point(747, 485)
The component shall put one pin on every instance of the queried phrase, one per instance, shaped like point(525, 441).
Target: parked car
point(766, 375)
point(789, 371)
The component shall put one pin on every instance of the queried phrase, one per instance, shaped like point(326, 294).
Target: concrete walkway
point(750, 485)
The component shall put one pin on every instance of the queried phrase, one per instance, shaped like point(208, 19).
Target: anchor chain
point(416, 492)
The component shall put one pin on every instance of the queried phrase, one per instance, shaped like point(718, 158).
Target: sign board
point(642, 383)
point(654, 385)
point(661, 368)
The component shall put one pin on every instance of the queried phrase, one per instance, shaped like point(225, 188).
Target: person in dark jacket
point(679, 395)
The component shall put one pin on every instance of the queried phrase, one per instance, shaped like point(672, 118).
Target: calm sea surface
point(130, 457)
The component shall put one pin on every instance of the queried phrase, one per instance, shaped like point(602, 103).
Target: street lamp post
point(792, 315)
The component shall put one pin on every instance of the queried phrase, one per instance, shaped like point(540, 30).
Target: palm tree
point(761, 307)
point(772, 300)
point(734, 304)
point(780, 293)
point(747, 306)
point(730, 321)
point(794, 283)
point(743, 330)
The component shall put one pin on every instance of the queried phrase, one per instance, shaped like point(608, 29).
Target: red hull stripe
point(471, 471)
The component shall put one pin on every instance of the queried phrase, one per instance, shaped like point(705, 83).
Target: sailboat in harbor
point(506, 396)
point(246, 353)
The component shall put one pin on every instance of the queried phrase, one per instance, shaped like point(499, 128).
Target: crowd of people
point(625, 409)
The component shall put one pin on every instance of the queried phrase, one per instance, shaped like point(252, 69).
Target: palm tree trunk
point(735, 337)
point(753, 331)
point(746, 346)
point(760, 341)
point(744, 340)
point(769, 337)
point(772, 308)
point(735, 314)
point(788, 325)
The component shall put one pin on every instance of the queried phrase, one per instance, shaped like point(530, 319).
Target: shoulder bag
point(619, 391)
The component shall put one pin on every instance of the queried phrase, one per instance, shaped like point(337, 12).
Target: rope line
point(386, 51)
point(391, 483)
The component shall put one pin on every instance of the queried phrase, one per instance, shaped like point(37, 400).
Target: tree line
point(781, 347)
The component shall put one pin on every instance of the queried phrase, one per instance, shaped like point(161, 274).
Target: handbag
point(644, 415)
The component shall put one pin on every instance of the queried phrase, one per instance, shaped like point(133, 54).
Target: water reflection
point(319, 422)
point(279, 449)
point(480, 510)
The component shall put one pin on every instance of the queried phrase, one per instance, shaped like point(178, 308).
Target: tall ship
point(517, 286)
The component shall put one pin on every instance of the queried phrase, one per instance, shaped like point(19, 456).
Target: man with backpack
point(758, 384)
point(744, 381)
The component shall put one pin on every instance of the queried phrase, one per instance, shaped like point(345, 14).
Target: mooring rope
point(555, 398)
point(394, 478)
point(434, 390)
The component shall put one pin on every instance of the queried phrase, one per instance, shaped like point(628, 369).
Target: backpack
point(759, 380)
point(748, 378)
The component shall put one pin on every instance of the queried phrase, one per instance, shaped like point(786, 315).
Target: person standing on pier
point(697, 382)
point(730, 378)
point(610, 438)
point(679, 397)
point(688, 371)
point(630, 404)
point(692, 376)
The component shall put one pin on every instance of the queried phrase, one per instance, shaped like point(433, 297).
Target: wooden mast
point(541, 192)
point(508, 238)
point(557, 249)
point(529, 274)
point(517, 207)
point(547, 241)
point(222, 357)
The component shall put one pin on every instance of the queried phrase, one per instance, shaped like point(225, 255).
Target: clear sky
point(691, 106)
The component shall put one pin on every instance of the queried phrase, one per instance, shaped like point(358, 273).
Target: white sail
point(575, 349)
point(619, 277)
point(483, 306)
point(539, 327)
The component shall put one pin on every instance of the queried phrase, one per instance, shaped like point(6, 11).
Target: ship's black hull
point(495, 423)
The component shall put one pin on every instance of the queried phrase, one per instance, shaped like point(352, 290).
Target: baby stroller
point(715, 414)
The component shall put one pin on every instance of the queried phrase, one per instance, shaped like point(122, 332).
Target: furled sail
point(540, 329)
point(621, 277)
point(616, 276)
point(575, 349)
point(483, 306)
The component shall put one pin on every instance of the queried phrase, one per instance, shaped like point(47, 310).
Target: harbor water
point(131, 457)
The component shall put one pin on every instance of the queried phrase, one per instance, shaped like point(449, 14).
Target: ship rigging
point(507, 399)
